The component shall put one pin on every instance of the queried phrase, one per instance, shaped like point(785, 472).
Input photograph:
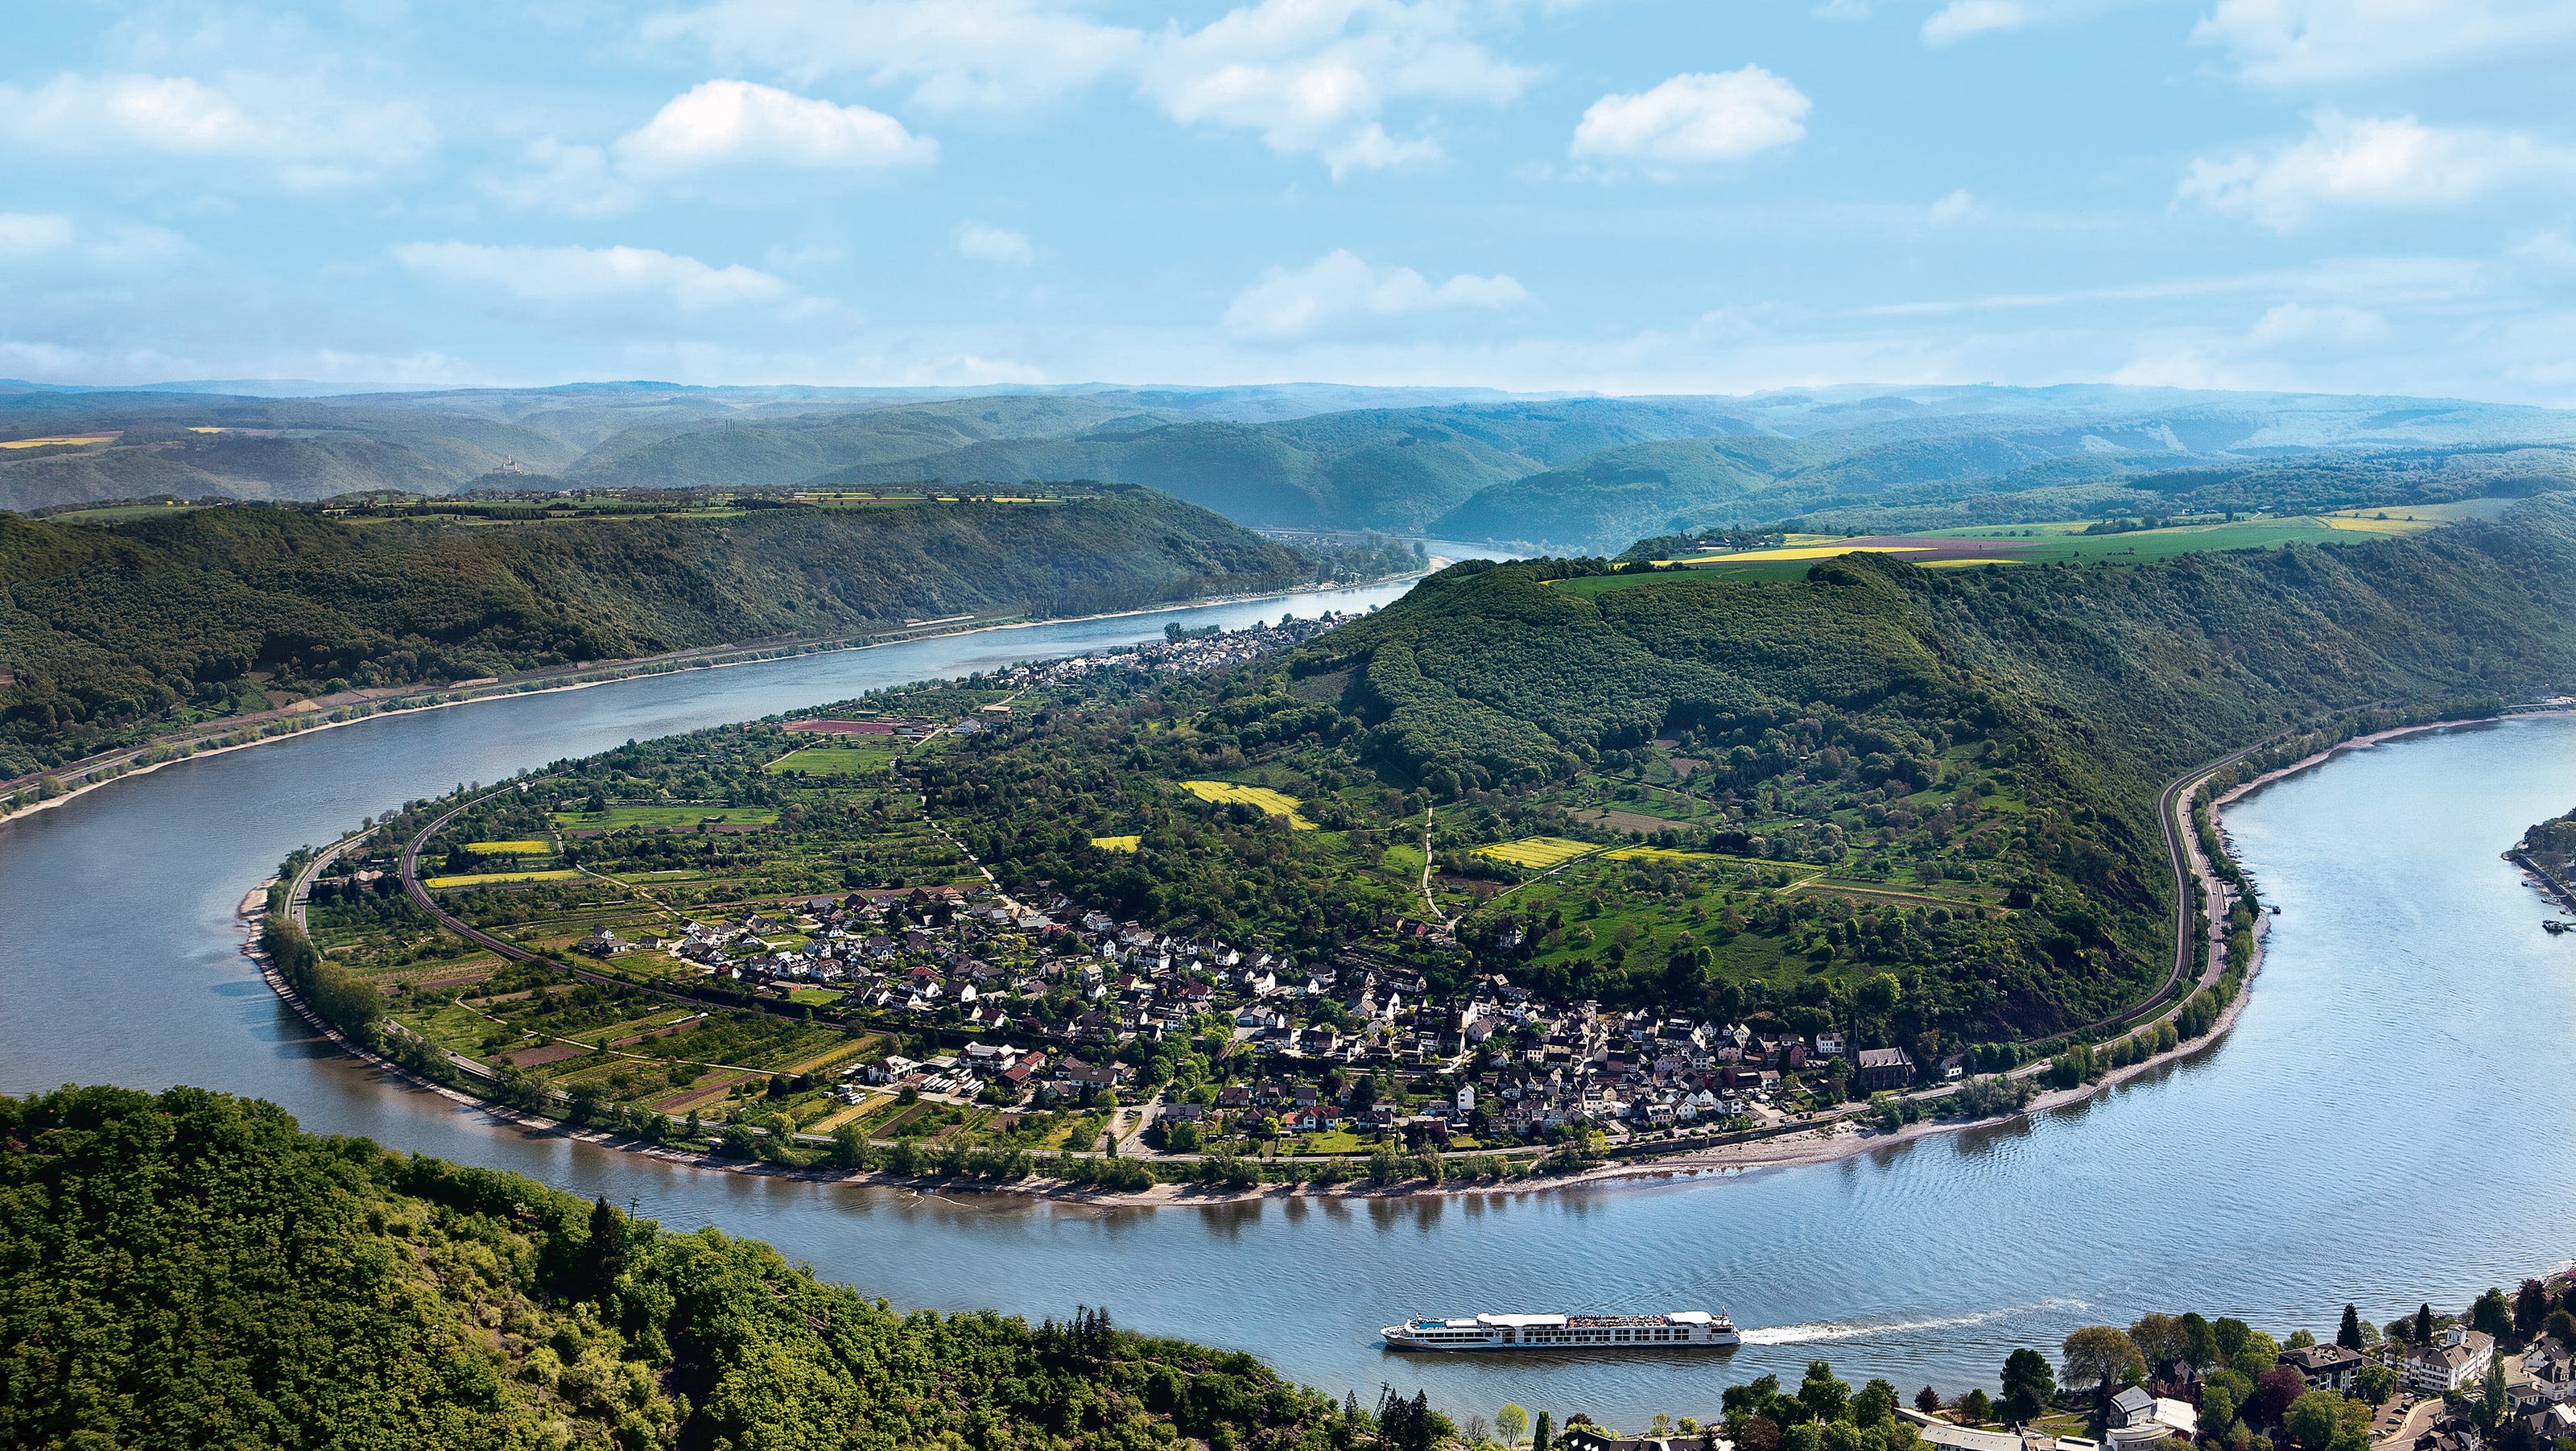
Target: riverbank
point(128, 762)
point(2358, 743)
point(1838, 1136)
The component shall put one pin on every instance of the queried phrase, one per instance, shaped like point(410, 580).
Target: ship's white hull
point(1564, 1334)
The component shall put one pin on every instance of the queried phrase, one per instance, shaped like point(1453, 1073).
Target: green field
point(621, 818)
point(2064, 541)
point(837, 760)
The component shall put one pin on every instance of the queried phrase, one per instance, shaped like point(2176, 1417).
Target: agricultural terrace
point(756, 938)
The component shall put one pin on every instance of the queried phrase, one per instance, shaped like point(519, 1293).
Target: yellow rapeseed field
point(508, 848)
point(59, 438)
point(1656, 853)
point(1538, 852)
point(1118, 843)
point(487, 879)
point(1275, 803)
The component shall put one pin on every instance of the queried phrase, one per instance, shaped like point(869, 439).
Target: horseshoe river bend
point(2393, 1118)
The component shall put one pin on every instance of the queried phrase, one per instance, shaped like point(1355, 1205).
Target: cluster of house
point(1182, 654)
point(1084, 986)
point(2539, 1385)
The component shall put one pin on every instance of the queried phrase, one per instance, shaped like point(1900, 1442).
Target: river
point(2393, 1119)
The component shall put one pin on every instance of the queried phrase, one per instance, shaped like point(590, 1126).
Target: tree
point(1874, 1406)
point(2202, 1339)
point(2103, 1357)
point(2374, 1384)
point(1510, 1422)
point(2300, 1340)
point(2029, 1384)
point(1543, 1433)
point(2348, 1335)
point(2160, 1338)
point(2272, 1396)
point(1975, 1408)
point(2492, 1315)
point(1927, 1400)
point(1823, 1396)
point(2231, 1334)
point(2561, 1327)
point(603, 1253)
point(2257, 1354)
point(2530, 1309)
point(2314, 1419)
point(2423, 1324)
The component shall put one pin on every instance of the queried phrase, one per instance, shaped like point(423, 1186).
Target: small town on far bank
point(2499, 1377)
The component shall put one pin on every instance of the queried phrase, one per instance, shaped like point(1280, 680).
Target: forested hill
point(113, 628)
point(2078, 688)
point(1495, 674)
point(190, 1270)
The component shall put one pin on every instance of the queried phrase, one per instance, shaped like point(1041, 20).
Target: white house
point(2456, 1358)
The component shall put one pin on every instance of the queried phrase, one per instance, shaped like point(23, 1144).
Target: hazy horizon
point(1629, 197)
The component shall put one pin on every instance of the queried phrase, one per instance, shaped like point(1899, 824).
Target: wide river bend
point(2393, 1119)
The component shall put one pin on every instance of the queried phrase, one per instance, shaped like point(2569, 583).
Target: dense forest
point(155, 617)
point(189, 1269)
point(1987, 738)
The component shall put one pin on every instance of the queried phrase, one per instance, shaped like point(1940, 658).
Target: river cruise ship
point(1682, 1329)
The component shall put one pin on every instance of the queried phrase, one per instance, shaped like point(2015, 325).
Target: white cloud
point(1963, 18)
point(1696, 117)
point(24, 234)
point(1338, 290)
point(311, 139)
point(2292, 42)
point(591, 276)
point(1312, 77)
point(2391, 162)
point(1315, 76)
point(998, 245)
point(738, 123)
point(708, 130)
point(956, 54)
point(1959, 206)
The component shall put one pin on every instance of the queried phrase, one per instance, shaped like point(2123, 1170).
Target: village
point(1048, 1004)
point(2502, 1376)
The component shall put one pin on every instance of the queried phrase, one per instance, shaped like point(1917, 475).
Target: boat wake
point(1826, 1330)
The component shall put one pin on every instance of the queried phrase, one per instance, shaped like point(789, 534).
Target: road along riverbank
point(2200, 938)
point(2406, 951)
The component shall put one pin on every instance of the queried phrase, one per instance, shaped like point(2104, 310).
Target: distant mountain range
point(1560, 473)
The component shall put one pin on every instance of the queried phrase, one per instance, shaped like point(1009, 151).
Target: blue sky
point(1621, 195)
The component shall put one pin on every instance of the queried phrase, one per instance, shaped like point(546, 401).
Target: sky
point(1627, 196)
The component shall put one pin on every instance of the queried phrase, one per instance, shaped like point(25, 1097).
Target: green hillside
point(1941, 742)
point(114, 628)
point(189, 1269)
